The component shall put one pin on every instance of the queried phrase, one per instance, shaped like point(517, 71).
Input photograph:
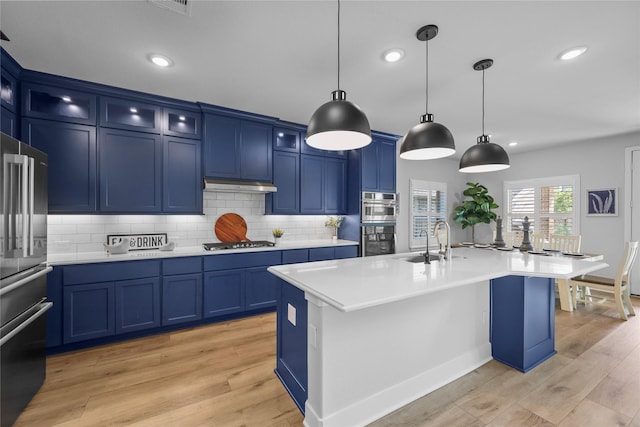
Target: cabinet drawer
point(321, 254)
point(252, 259)
point(346, 252)
point(110, 271)
point(182, 265)
point(295, 256)
point(129, 114)
point(54, 103)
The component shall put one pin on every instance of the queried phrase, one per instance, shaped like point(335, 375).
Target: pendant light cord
point(426, 80)
point(338, 44)
point(483, 101)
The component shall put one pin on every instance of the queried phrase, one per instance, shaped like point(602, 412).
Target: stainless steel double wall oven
point(378, 223)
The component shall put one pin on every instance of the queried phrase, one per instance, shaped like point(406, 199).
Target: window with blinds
point(550, 203)
point(428, 206)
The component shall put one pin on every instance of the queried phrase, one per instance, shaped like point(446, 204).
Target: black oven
point(378, 239)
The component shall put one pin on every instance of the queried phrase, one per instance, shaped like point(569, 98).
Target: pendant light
point(427, 140)
point(338, 124)
point(485, 156)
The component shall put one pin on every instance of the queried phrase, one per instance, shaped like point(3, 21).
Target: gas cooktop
point(237, 245)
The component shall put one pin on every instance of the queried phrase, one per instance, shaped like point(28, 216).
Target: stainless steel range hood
point(231, 186)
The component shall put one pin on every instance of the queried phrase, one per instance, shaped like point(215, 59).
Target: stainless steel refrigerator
point(23, 283)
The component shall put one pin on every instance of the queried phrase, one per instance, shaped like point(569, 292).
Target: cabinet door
point(137, 304)
point(387, 165)
point(60, 104)
point(89, 312)
point(8, 91)
point(54, 315)
point(261, 288)
point(130, 168)
point(335, 200)
point(181, 298)
point(255, 151)
point(312, 182)
point(285, 139)
point(182, 180)
point(221, 147)
point(72, 162)
point(182, 123)
point(129, 114)
point(286, 176)
point(8, 122)
point(223, 292)
point(370, 167)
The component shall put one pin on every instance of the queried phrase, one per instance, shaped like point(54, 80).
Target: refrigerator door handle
point(31, 189)
point(43, 309)
point(24, 281)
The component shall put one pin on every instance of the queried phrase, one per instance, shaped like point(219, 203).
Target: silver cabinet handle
point(43, 309)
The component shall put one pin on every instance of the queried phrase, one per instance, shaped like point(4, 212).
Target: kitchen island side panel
point(366, 363)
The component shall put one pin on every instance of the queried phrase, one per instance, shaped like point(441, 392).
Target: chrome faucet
point(426, 252)
point(444, 251)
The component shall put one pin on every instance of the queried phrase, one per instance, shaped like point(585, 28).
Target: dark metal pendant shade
point(338, 125)
point(485, 156)
point(427, 140)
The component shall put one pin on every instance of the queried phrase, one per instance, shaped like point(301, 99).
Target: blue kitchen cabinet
point(342, 252)
point(130, 171)
point(54, 315)
point(312, 183)
point(9, 89)
point(181, 298)
point(137, 304)
point(89, 311)
point(522, 320)
point(235, 283)
point(182, 123)
point(378, 168)
point(223, 292)
point(335, 199)
point(291, 358)
point(286, 177)
point(181, 177)
point(72, 162)
point(8, 122)
point(321, 254)
point(129, 114)
point(261, 288)
point(294, 256)
point(58, 103)
point(237, 148)
point(322, 185)
point(287, 139)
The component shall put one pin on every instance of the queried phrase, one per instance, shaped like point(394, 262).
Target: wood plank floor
point(222, 375)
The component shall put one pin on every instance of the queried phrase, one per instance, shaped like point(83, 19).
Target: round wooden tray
point(231, 227)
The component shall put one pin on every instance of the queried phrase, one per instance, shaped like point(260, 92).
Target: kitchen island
point(382, 331)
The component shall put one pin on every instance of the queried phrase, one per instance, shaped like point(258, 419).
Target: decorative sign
point(138, 242)
point(602, 202)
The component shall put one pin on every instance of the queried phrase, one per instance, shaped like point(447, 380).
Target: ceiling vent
point(183, 7)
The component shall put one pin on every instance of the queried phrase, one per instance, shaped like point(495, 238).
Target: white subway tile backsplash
point(87, 233)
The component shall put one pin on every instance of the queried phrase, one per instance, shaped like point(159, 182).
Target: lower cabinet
point(89, 311)
point(181, 298)
point(223, 292)
point(522, 320)
point(137, 304)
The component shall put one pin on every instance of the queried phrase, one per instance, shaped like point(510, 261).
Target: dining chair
point(612, 292)
point(565, 243)
point(537, 240)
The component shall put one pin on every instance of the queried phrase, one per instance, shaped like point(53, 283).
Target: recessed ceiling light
point(160, 60)
point(134, 110)
point(66, 98)
point(393, 55)
point(513, 144)
point(572, 53)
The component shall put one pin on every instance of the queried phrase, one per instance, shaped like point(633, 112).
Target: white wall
point(87, 233)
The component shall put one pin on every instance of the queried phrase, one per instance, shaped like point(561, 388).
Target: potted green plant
point(476, 210)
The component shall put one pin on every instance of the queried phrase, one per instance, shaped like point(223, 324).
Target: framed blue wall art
point(602, 202)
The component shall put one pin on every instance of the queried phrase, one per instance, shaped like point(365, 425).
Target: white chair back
point(624, 269)
point(537, 240)
point(565, 243)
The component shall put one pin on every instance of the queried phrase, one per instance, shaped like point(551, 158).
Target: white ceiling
point(278, 58)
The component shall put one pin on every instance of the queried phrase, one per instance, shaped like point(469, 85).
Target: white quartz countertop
point(103, 256)
point(357, 283)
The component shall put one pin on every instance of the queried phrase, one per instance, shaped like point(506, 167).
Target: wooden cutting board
point(231, 227)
